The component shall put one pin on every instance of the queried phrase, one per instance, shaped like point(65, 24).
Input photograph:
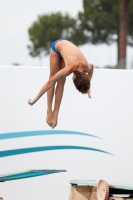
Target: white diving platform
point(99, 190)
point(28, 174)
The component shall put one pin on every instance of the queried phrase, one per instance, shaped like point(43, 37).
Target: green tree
point(48, 28)
point(107, 22)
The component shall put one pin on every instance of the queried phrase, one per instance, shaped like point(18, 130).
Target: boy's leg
point(54, 68)
point(58, 95)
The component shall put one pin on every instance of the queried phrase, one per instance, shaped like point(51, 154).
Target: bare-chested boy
point(65, 58)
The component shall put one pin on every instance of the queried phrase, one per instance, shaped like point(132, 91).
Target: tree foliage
point(107, 22)
point(100, 20)
point(98, 23)
point(48, 28)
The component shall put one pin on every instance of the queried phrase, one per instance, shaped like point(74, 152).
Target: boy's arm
point(62, 73)
point(90, 73)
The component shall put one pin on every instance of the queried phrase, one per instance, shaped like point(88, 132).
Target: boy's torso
point(71, 53)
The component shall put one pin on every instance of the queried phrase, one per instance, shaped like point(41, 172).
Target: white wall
point(109, 115)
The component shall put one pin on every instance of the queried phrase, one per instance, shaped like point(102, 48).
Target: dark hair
point(81, 82)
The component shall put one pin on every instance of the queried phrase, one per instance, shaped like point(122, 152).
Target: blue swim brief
point(54, 49)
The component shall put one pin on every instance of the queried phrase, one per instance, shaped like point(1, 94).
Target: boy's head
point(81, 82)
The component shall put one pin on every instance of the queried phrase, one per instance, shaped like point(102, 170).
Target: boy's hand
point(33, 101)
point(30, 102)
point(89, 93)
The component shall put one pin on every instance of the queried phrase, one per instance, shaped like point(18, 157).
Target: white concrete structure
point(24, 133)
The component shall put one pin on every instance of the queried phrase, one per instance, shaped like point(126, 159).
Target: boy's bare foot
point(55, 119)
point(49, 119)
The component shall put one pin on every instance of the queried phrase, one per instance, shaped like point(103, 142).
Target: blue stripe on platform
point(46, 148)
point(4, 136)
point(28, 174)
